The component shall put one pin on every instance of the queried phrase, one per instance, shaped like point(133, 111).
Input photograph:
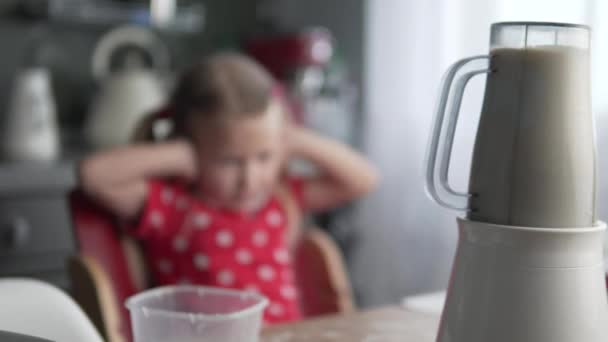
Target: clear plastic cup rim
point(132, 303)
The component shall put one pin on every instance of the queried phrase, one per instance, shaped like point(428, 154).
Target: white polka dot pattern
point(201, 220)
point(274, 218)
point(167, 196)
point(199, 244)
point(243, 256)
point(224, 238)
point(281, 256)
point(260, 238)
point(180, 244)
point(288, 292)
point(201, 261)
point(156, 219)
point(225, 278)
point(276, 309)
point(266, 273)
point(165, 266)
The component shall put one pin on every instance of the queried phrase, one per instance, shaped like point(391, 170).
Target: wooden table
point(390, 324)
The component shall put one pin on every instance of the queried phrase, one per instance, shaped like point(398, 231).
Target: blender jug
point(534, 157)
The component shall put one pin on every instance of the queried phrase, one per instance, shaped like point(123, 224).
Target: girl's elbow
point(83, 172)
point(374, 179)
point(87, 178)
point(368, 182)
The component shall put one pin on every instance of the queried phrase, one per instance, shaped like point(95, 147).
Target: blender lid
point(540, 23)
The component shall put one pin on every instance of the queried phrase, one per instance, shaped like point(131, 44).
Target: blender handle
point(448, 142)
point(437, 126)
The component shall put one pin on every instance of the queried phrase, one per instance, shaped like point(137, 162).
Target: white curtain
point(406, 242)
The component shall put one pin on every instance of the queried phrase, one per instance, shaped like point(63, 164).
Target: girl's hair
point(223, 85)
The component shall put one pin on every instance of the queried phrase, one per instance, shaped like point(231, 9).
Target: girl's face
point(240, 159)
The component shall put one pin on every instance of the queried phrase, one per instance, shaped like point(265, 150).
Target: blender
point(528, 265)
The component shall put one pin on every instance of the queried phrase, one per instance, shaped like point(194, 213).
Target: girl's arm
point(117, 177)
point(344, 173)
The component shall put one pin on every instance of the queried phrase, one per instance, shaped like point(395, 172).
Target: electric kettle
point(128, 94)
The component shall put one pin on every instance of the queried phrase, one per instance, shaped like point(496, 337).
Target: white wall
point(407, 242)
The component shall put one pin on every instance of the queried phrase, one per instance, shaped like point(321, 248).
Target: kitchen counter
point(388, 324)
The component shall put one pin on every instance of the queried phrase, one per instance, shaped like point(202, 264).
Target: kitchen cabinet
point(36, 236)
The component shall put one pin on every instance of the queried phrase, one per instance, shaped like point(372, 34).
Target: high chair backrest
point(101, 278)
point(110, 268)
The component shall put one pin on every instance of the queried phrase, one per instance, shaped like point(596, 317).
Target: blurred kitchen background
point(76, 74)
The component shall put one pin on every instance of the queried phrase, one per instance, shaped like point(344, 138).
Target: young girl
point(207, 203)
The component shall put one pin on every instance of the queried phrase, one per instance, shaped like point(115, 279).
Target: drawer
point(32, 225)
point(36, 235)
point(18, 179)
point(29, 264)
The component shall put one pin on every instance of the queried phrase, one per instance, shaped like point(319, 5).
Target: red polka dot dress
point(186, 241)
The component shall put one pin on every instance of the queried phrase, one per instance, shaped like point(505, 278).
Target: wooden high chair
point(110, 268)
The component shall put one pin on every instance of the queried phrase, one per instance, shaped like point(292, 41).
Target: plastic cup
point(186, 313)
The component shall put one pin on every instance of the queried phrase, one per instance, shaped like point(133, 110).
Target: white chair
point(35, 308)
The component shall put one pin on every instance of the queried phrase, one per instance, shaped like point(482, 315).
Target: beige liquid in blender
point(534, 158)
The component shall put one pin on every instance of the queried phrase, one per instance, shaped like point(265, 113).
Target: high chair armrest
point(136, 263)
point(92, 290)
point(322, 276)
